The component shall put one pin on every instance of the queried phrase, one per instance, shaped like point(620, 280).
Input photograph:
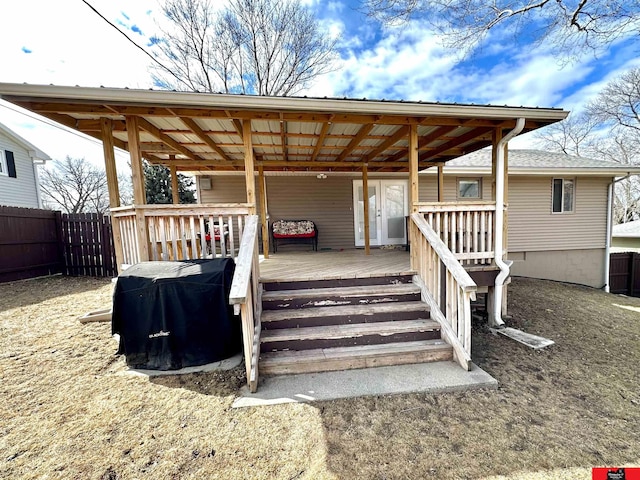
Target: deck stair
point(339, 324)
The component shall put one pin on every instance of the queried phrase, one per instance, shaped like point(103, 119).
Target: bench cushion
point(293, 228)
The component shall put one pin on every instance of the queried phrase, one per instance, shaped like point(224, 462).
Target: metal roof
point(203, 131)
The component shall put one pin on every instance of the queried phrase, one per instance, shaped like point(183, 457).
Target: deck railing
point(465, 228)
point(179, 232)
point(245, 297)
point(446, 287)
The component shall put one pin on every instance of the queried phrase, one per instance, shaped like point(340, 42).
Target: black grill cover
point(171, 315)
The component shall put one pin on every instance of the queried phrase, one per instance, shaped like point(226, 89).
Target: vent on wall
point(205, 183)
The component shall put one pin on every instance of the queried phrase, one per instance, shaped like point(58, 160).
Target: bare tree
point(618, 104)
point(608, 129)
point(75, 186)
point(264, 47)
point(572, 26)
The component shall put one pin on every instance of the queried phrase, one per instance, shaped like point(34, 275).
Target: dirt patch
point(67, 412)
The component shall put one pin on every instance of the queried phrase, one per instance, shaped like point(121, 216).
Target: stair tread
point(330, 311)
point(346, 292)
point(348, 330)
point(359, 351)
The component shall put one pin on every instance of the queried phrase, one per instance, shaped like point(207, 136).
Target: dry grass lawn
point(67, 412)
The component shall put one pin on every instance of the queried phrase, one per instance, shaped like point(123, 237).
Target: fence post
point(62, 242)
point(632, 273)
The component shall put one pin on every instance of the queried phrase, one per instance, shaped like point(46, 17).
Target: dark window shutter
point(11, 164)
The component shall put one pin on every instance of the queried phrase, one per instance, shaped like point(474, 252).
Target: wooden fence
point(30, 243)
point(36, 242)
point(624, 273)
point(87, 240)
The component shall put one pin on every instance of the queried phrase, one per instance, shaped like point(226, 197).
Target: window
point(469, 188)
point(3, 163)
point(563, 195)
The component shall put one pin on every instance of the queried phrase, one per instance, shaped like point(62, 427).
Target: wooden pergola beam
point(355, 141)
point(464, 138)
point(392, 140)
point(195, 128)
point(166, 139)
point(424, 141)
point(283, 137)
point(320, 141)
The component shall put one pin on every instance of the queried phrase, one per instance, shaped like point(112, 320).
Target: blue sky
point(65, 43)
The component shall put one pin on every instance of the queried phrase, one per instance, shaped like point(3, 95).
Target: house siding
point(328, 203)
point(564, 247)
point(20, 191)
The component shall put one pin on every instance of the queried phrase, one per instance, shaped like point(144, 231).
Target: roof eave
point(226, 101)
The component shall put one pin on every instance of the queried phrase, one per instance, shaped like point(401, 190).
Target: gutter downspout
point(607, 245)
point(496, 318)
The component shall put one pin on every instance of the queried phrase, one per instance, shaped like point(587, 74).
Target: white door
point(388, 207)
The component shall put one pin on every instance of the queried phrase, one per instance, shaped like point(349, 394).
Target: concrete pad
point(226, 364)
point(433, 377)
point(528, 339)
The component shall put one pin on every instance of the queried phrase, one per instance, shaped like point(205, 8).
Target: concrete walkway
point(434, 377)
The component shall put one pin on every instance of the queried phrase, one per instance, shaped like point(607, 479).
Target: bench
point(294, 231)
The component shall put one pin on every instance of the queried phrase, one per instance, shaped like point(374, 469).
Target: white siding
point(19, 191)
point(532, 226)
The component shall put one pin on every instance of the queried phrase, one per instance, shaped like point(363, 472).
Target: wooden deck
point(285, 266)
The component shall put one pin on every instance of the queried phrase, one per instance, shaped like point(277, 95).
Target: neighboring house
point(557, 207)
point(19, 160)
point(626, 237)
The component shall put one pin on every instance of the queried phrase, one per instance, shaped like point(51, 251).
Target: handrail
point(477, 205)
point(449, 259)
point(448, 293)
point(245, 298)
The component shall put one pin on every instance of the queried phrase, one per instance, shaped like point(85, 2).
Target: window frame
point(4, 168)
point(562, 200)
point(474, 179)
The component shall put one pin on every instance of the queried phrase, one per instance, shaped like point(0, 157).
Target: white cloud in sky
point(63, 42)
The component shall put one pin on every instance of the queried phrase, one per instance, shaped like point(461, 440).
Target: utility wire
point(167, 69)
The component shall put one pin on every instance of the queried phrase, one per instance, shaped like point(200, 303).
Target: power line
point(134, 43)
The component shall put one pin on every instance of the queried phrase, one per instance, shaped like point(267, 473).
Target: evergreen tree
point(158, 185)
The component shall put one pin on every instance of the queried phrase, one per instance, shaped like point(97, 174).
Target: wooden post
point(262, 190)
point(249, 165)
point(496, 137)
point(106, 127)
point(139, 196)
point(175, 192)
point(415, 190)
point(441, 183)
point(365, 204)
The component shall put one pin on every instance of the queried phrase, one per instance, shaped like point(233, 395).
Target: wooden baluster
point(212, 234)
point(232, 248)
point(475, 235)
point(183, 237)
point(223, 241)
point(194, 238)
point(204, 248)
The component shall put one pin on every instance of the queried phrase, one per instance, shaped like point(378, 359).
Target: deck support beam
point(441, 183)
point(139, 196)
point(414, 192)
point(249, 165)
point(175, 192)
point(108, 145)
point(262, 190)
point(365, 204)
